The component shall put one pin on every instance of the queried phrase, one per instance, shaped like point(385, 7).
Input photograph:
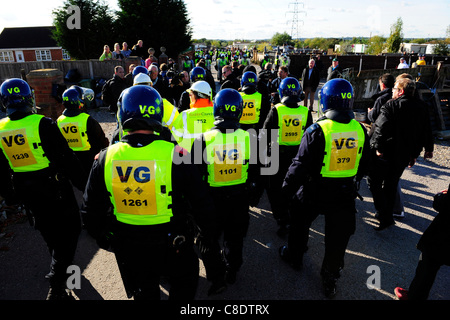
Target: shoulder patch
point(313, 128)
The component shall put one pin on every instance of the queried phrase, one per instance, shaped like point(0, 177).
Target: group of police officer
point(161, 189)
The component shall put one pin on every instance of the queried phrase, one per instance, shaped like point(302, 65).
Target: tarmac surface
point(375, 262)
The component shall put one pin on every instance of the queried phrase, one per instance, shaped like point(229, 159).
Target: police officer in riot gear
point(83, 133)
point(44, 169)
point(145, 183)
point(289, 121)
point(229, 173)
point(256, 106)
point(333, 154)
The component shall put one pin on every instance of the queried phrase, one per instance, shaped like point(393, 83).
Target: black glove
point(206, 244)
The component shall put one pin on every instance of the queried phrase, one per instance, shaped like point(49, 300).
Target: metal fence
point(88, 69)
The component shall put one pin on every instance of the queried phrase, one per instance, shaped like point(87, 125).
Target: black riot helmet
point(17, 96)
point(140, 108)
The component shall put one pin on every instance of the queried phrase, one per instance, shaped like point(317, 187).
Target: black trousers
point(337, 204)
point(233, 222)
point(277, 200)
point(423, 281)
point(57, 218)
point(383, 179)
point(145, 254)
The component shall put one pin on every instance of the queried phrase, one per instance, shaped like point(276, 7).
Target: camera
point(176, 78)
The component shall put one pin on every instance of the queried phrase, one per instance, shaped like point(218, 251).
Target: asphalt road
point(391, 254)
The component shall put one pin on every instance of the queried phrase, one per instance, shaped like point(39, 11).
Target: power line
point(295, 33)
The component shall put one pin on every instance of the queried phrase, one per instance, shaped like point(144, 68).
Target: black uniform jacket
point(303, 179)
point(272, 122)
point(186, 185)
point(62, 159)
point(199, 145)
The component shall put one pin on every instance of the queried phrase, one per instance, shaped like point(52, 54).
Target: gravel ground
point(24, 258)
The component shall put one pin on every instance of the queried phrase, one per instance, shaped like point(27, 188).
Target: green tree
point(442, 46)
point(396, 37)
point(95, 30)
point(376, 45)
point(159, 23)
point(263, 45)
point(280, 39)
point(419, 40)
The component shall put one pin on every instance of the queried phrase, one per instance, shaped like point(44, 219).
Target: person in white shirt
point(402, 64)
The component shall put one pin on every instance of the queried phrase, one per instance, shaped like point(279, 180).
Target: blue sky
point(261, 19)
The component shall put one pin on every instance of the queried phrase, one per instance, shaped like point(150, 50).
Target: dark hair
point(164, 67)
point(388, 80)
point(284, 68)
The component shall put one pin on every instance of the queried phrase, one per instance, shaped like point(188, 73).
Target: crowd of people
point(184, 166)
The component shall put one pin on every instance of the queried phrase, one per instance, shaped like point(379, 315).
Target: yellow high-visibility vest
point(252, 108)
point(139, 181)
point(343, 148)
point(190, 124)
point(291, 123)
point(21, 143)
point(74, 129)
point(228, 157)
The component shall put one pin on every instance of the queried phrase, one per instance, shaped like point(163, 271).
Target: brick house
point(30, 44)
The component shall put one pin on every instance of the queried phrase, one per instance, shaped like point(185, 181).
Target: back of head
point(198, 73)
point(202, 89)
point(143, 79)
point(139, 69)
point(140, 108)
point(249, 80)
point(336, 99)
point(228, 105)
point(404, 76)
point(72, 102)
point(290, 91)
point(249, 68)
point(17, 96)
point(408, 86)
point(388, 80)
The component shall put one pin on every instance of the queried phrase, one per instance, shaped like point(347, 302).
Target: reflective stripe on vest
point(191, 124)
point(170, 113)
point(343, 148)
point(139, 181)
point(228, 156)
point(21, 143)
point(252, 108)
point(74, 129)
point(291, 124)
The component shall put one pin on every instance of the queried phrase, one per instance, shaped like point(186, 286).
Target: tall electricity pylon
point(295, 33)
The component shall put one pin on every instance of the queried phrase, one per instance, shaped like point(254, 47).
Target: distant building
point(243, 45)
point(357, 48)
point(412, 48)
point(30, 44)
